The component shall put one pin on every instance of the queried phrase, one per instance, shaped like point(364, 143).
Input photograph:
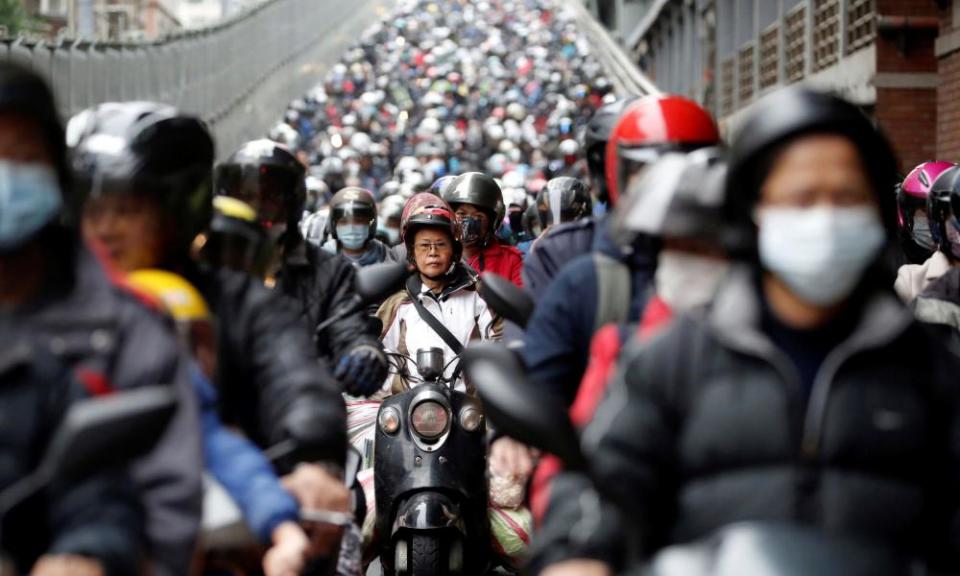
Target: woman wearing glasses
point(443, 287)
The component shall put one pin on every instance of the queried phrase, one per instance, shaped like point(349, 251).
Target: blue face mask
point(352, 236)
point(30, 199)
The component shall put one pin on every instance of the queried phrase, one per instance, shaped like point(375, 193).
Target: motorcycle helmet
point(148, 149)
point(479, 190)
point(426, 209)
point(913, 223)
point(649, 127)
point(440, 185)
point(943, 220)
point(235, 239)
point(595, 142)
point(269, 177)
point(679, 196)
point(774, 121)
point(531, 221)
point(563, 199)
point(353, 203)
point(318, 194)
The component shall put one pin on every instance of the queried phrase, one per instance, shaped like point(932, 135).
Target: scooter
point(430, 475)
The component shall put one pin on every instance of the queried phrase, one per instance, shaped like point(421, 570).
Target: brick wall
point(948, 103)
point(905, 108)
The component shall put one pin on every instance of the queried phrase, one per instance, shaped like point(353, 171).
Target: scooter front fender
point(428, 511)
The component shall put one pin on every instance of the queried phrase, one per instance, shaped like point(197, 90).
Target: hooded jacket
point(102, 332)
point(99, 516)
point(706, 424)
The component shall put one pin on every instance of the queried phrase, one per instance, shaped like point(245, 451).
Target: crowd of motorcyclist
point(762, 329)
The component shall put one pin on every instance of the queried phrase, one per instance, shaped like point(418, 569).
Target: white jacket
point(912, 279)
point(459, 308)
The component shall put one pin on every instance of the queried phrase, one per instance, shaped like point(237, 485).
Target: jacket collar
point(461, 278)
point(735, 316)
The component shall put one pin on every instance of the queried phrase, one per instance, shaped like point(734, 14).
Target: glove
point(362, 371)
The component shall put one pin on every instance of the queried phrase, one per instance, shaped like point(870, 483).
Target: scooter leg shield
point(428, 511)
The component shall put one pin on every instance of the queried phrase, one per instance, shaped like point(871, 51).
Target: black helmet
point(531, 221)
point(781, 117)
point(235, 239)
point(267, 176)
point(353, 202)
point(595, 141)
point(563, 199)
point(678, 196)
point(478, 190)
point(145, 148)
point(941, 208)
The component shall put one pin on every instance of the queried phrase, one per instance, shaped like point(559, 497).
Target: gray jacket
point(706, 424)
point(111, 340)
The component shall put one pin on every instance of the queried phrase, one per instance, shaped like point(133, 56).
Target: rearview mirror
point(378, 281)
point(101, 432)
point(506, 298)
point(95, 434)
point(516, 408)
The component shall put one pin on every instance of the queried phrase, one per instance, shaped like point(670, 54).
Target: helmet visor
point(273, 192)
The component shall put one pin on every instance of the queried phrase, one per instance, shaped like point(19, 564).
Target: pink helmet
point(915, 237)
point(920, 179)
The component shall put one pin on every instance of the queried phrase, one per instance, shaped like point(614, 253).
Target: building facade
point(880, 54)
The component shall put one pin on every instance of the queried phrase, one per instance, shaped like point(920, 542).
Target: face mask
point(393, 235)
point(352, 236)
point(819, 253)
point(470, 230)
point(953, 237)
point(30, 198)
point(686, 281)
point(921, 232)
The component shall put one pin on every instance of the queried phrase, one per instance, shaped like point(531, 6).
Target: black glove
point(362, 371)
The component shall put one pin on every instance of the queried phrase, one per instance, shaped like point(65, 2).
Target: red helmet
point(427, 209)
point(650, 126)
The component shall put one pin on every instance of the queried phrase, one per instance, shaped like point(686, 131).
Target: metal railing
point(626, 76)
point(238, 75)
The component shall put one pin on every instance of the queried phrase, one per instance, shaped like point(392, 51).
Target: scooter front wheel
point(426, 556)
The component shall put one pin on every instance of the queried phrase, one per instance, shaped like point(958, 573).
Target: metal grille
point(826, 33)
point(745, 77)
point(726, 85)
point(769, 57)
point(794, 43)
point(861, 24)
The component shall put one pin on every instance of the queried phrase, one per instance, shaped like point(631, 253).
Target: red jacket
point(604, 351)
point(502, 260)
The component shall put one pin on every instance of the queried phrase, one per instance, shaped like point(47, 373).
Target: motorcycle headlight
point(430, 419)
point(389, 420)
point(471, 418)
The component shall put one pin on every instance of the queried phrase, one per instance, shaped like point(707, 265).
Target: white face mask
point(686, 281)
point(819, 253)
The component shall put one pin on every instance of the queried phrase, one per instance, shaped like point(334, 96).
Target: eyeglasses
point(428, 247)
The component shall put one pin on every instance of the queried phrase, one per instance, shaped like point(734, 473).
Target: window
point(769, 57)
point(794, 43)
point(826, 33)
point(726, 85)
point(745, 76)
point(861, 28)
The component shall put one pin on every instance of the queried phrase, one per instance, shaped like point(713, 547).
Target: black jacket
point(323, 283)
point(706, 424)
point(99, 516)
point(266, 367)
point(103, 332)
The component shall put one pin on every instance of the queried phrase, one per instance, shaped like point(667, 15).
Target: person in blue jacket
point(235, 462)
